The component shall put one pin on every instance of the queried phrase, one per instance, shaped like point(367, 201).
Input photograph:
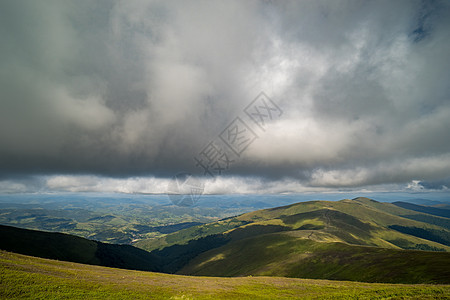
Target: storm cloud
point(94, 92)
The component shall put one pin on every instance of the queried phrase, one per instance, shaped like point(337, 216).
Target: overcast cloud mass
point(122, 95)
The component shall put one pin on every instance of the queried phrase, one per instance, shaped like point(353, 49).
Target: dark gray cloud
point(440, 184)
point(138, 88)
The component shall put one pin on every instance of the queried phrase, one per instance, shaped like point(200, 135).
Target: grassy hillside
point(24, 277)
point(71, 248)
point(426, 214)
point(339, 227)
point(284, 254)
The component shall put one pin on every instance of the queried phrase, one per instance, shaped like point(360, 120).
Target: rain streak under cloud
point(122, 95)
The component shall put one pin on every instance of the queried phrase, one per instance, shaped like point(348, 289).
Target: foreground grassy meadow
point(29, 277)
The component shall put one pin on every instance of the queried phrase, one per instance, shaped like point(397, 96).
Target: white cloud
point(10, 186)
point(88, 183)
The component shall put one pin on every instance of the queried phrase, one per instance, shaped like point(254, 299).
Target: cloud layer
point(136, 89)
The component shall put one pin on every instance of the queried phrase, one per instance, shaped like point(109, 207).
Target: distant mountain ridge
point(441, 212)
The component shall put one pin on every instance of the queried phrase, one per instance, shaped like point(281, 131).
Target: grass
point(284, 254)
point(24, 277)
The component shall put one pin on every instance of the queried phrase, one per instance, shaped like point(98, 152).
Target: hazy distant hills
point(358, 239)
point(116, 218)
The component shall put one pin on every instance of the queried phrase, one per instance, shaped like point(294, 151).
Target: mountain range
point(358, 240)
point(316, 239)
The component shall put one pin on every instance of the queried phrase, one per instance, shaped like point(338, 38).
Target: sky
point(250, 96)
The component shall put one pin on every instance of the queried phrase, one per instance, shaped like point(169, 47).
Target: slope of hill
point(340, 228)
point(75, 249)
point(36, 278)
point(284, 254)
point(437, 211)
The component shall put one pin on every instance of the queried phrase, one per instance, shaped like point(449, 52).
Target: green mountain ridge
point(360, 221)
point(319, 239)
